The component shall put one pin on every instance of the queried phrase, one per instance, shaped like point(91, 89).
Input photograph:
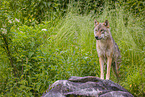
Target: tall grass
point(76, 43)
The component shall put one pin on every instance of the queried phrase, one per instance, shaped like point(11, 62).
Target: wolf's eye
point(96, 30)
point(102, 30)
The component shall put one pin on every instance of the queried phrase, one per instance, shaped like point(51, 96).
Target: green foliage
point(63, 44)
point(135, 6)
point(32, 12)
point(26, 56)
point(135, 81)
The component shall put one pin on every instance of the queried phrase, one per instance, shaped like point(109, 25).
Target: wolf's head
point(101, 30)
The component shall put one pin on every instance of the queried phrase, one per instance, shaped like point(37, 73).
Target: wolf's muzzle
point(97, 38)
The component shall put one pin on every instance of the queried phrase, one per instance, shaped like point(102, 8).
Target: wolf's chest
point(104, 49)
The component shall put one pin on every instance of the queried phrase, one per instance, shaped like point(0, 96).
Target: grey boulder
point(88, 86)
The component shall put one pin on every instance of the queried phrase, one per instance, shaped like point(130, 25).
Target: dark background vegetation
point(42, 41)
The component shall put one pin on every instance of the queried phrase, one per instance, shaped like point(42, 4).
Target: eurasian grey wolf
point(107, 49)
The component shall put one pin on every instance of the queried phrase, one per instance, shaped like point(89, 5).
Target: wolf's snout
point(96, 37)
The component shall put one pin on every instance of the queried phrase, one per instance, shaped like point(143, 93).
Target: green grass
point(75, 40)
point(69, 49)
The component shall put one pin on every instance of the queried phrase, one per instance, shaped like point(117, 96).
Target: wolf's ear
point(96, 22)
point(106, 23)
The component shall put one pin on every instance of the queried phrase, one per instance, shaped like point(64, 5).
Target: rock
point(88, 86)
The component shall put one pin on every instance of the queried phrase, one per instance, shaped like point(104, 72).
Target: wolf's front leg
point(109, 61)
point(101, 61)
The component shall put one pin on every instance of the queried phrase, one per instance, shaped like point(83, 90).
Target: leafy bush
point(27, 60)
point(32, 12)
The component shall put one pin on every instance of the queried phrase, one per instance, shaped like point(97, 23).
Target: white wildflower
point(10, 21)
point(17, 20)
point(4, 31)
point(44, 29)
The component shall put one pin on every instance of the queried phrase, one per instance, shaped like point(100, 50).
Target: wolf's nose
point(96, 37)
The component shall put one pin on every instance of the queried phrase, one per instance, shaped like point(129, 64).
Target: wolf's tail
point(115, 68)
